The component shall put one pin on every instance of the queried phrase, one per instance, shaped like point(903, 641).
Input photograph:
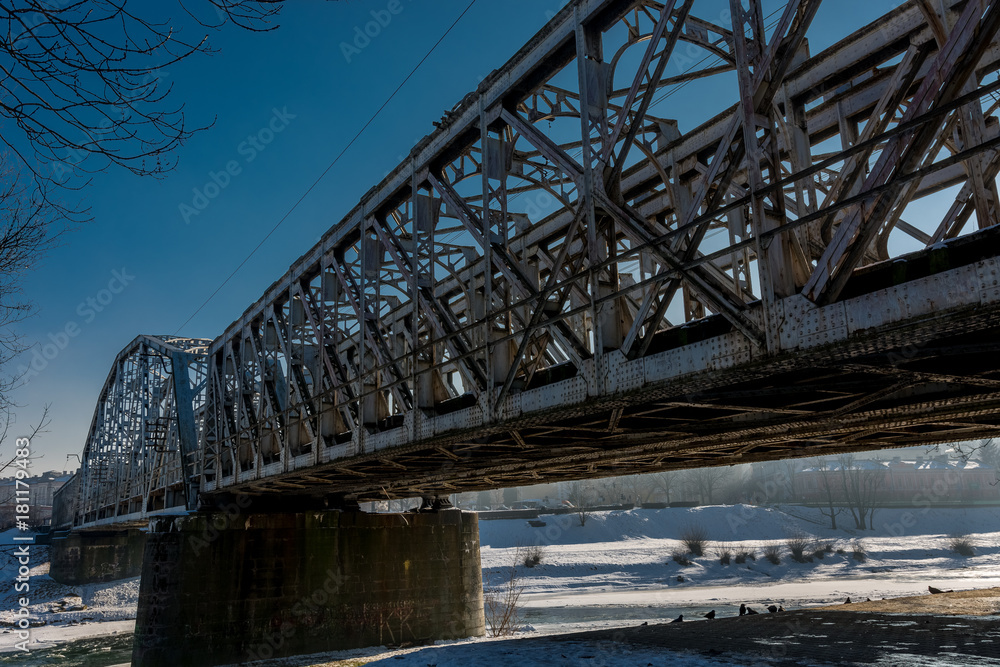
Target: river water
point(96, 652)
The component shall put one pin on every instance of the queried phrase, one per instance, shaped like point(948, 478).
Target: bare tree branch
point(705, 481)
point(29, 227)
point(82, 89)
point(83, 81)
point(860, 482)
point(38, 429)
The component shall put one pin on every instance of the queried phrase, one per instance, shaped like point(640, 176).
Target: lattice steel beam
point(550, 267)
point(141, 455)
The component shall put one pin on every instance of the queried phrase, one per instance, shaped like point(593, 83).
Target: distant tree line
point(851, 486)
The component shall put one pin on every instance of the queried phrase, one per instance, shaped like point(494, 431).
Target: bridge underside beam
point(823, 410)
point(858, 385)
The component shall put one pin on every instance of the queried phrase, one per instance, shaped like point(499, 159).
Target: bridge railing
point(64, 504)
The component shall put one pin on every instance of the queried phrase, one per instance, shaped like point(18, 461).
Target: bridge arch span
point(140, 456)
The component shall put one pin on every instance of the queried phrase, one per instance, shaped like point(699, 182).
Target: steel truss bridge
point(141, 455)
point(564, 280)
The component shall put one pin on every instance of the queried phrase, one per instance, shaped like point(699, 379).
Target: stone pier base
point(220, 588)
point(88, 557)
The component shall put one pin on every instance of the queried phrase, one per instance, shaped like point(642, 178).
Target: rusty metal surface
point(560, 283)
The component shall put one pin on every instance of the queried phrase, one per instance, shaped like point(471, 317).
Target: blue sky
point(296, 86)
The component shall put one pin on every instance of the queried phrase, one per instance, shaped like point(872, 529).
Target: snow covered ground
point(69, 613)
point(616, 571)
point(623, 558)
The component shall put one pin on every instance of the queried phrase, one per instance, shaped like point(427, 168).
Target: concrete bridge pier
point(90, 556)
point(223, 588)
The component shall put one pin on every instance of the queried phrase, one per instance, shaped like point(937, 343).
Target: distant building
point(41, 490)
point(934, 479)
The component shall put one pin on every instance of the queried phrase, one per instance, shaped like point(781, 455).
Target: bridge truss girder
point(141, 454)
point(481, 317)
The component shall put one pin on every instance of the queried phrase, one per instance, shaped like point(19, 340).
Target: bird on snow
point(773, 609)
point(780, 608)
point(679, 619)
point(847, 601)
point(751, 612)
point(710, 615)
point(743, 610)
point(934, 591)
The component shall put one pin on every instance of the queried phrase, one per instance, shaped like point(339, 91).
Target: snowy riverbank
point(624, 557)
point(616, 570)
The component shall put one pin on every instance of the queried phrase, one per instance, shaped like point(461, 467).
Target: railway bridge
point(570, 279)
